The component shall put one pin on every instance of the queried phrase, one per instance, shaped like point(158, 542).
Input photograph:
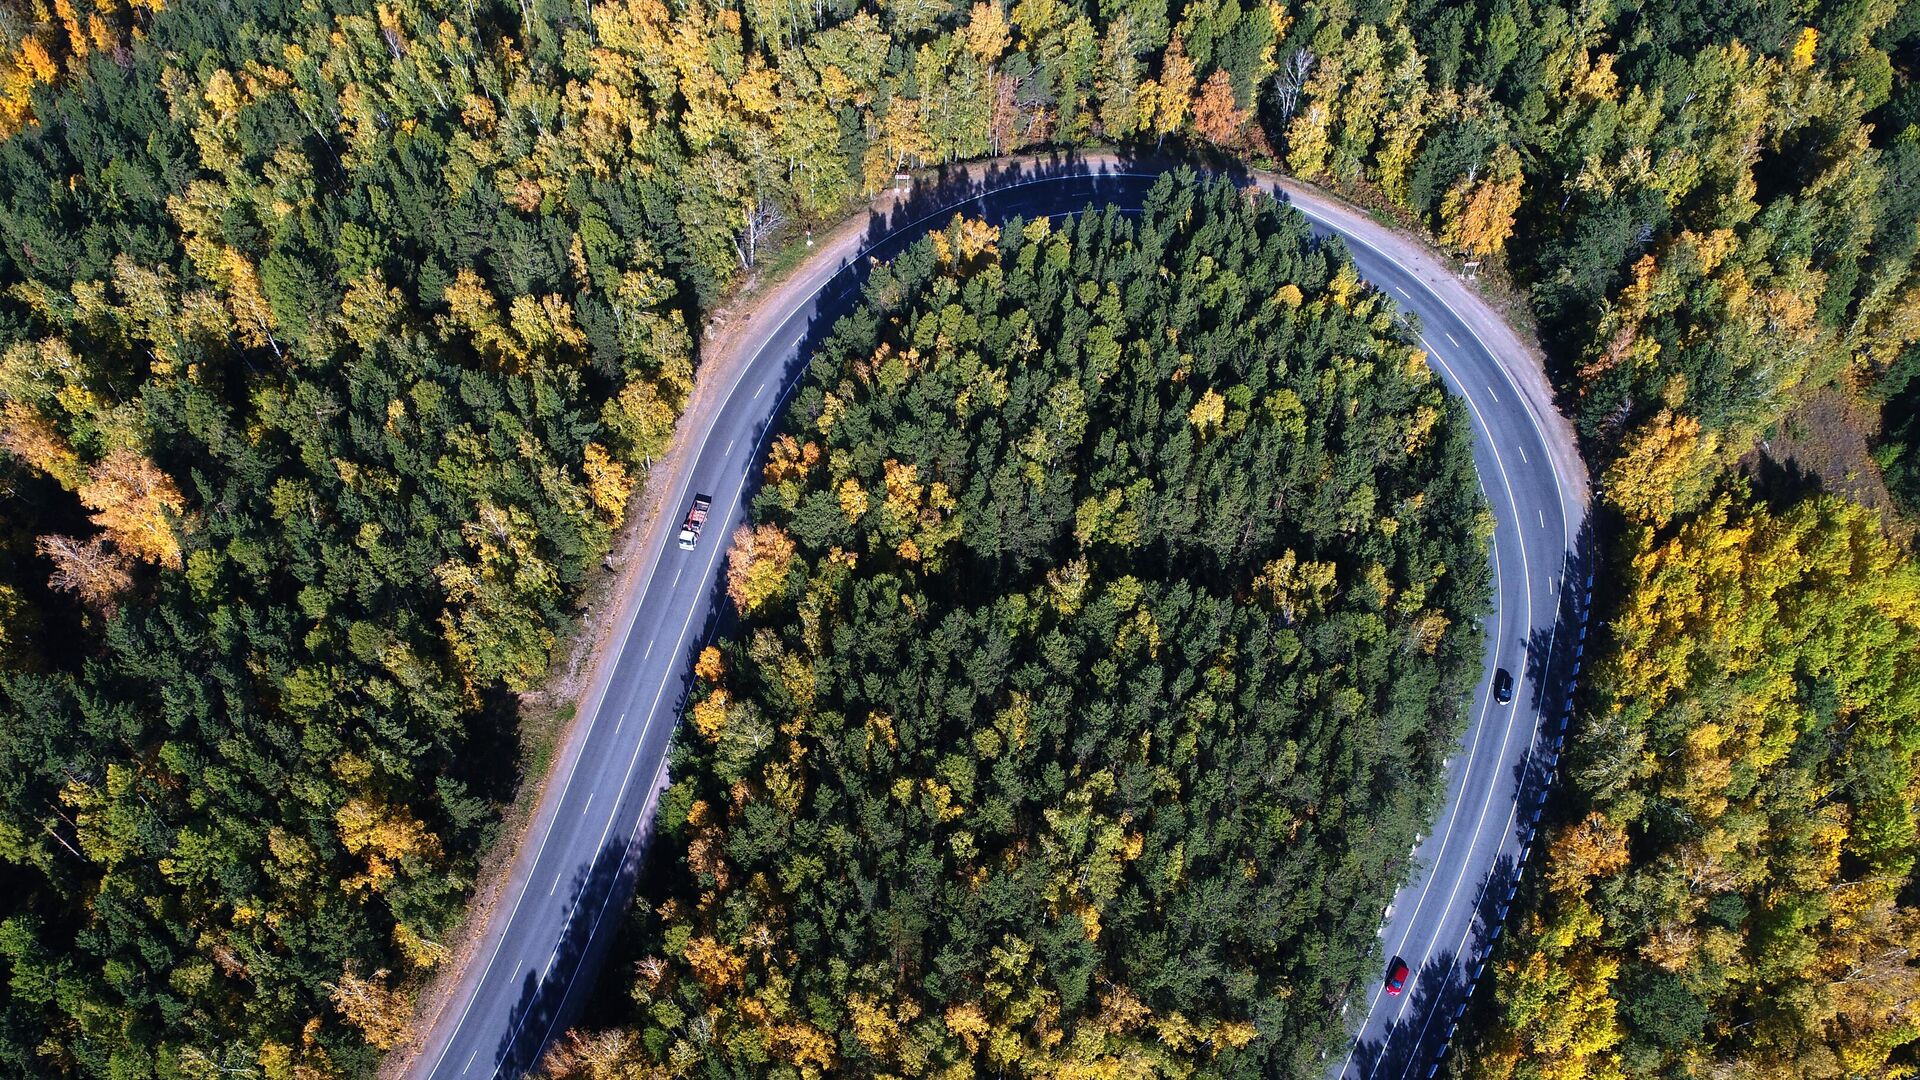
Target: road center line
point(1473, 749)
point(469, 1064)
point(1479, 728)
point(1552, 636)
point(832, 275)
point(646, 808)
point(588, 805)
point(632, 612)
point(1486, 802)
point(1491, 394)
point(621, 724)
point(1450, 338)
point(1523, 455)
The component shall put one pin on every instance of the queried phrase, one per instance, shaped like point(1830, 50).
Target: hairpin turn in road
point(540, 950)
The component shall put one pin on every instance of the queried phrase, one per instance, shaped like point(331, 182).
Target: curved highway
point(539, 953)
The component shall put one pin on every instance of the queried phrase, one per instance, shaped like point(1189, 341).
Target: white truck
point(696, 517)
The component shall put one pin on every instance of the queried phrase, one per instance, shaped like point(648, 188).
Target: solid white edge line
point(633, 613)
point(1486, 803)
point(640, 821)
point(1560, 494)
point(1566, 538)
point(1479, 726)
point(1566, 541)
point(829, 277)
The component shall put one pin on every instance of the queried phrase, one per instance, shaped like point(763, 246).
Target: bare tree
point(1291, 81)
point(764, 218)
point(96, 570)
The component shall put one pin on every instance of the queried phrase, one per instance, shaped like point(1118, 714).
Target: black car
point(1502, 686)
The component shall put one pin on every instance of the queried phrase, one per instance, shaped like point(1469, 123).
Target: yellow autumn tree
point(1666, 468)
point(714, 964)
point(380, 1013)
point(1208, 413)
point(1165, 102)
point(385, 836)
point(608, 483)
point(757, 565)
point(30, 437)
point(1476, 215)
point(137, 505)
point(987, 34)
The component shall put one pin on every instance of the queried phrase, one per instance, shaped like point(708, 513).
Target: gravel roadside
point(728, 341)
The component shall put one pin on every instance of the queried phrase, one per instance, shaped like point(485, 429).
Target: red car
point(1397, 976)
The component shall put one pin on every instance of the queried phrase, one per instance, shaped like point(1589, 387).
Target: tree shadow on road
point(552, 997)
point(1412, 1047)
point(1396, 1051)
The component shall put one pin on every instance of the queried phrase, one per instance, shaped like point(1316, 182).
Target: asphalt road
point(539, 957)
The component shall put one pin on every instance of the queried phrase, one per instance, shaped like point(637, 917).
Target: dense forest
point(1725, 890)
point(1107, 611)
point(317, 415)
point(335, 334)
point(1721, 229)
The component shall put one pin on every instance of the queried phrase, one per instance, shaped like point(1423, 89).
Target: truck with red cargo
point(696, 518)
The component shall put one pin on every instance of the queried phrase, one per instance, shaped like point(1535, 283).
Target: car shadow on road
point(1393, 1054)
point(1555, 655)
point(551, 998)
